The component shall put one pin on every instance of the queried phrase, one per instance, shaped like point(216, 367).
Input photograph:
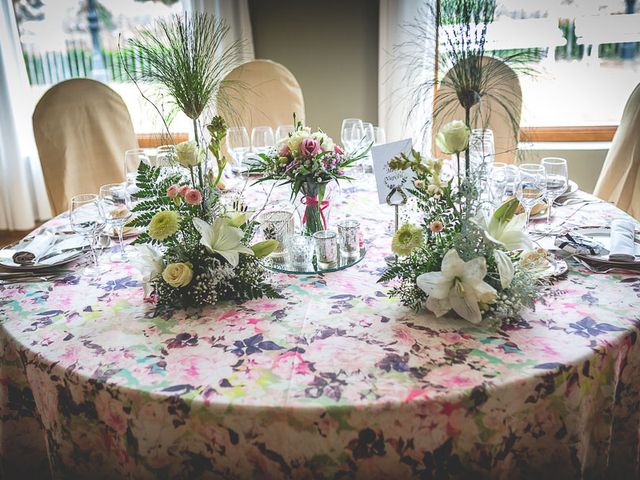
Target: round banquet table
point(336, 380)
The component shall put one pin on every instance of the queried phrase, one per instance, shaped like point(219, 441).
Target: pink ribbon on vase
point(313, 202)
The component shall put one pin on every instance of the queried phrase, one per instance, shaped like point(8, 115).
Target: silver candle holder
point(348, 238)
point(277, 225)
point(326, 243)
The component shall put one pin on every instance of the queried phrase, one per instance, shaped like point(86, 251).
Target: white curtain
point(235, 14)
point(23, 198)
point(401, 111)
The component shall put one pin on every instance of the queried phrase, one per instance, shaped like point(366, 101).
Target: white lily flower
point(506, 270)
point(149, 263)
point(458, 286)
point(511, 235)
point(223, 239)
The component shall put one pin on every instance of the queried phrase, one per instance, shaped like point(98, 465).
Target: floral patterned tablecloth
point(336, 380)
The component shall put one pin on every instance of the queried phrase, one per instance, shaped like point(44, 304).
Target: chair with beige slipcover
point(267, 93)
point(491, 115)
point(619, 180)
point(82, 130)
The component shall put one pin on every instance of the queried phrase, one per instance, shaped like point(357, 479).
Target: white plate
point(573, 187)
point(6, 255)
point(603, 236)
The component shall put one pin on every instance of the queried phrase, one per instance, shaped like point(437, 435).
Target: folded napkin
point(576, 244)
point(622, 240)
point(34, 249)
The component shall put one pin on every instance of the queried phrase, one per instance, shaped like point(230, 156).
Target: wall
point(331, 46)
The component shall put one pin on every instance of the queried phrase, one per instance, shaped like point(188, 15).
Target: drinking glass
point(238, 144)
point(86, 219)
point(116, 208)
point(132, 160)
point(368, 138)
point(557, 180)
point(380, 135)
point(531, 187)
point(351, 134)
point(299, 251)
point(502, 182)
point(277, 225)
point(165, 156)
point(262, 139)
point(283, 131)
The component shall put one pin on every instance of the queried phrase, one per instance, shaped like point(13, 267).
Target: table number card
point(387, 179)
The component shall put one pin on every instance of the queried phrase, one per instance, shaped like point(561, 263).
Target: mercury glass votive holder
point(277, 225)
point(326, 247)
point(299, 251)
point(348, 240)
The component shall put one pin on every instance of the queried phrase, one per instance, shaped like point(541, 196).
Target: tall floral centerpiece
point(457, 260)
point(308, 161)
point(194, 251)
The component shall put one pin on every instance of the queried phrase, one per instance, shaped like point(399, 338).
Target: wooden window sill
point(601, 133)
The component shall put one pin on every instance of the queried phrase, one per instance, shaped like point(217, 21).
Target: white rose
point(177, 274)
point(188, 154)
point(324, 140)
point(296, 139)
point(453, 137)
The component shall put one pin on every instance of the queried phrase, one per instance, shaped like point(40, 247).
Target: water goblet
point(238, 144)
point(132, 160)
point(116, 208)
point(283, 131)
point(557, 180)
point(86, 219)
point(531, 188)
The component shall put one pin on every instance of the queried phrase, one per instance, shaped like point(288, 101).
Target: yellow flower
point(407, 239)
point(188, 154)
point(163, 225)
point(177, 274)
point(453, 137)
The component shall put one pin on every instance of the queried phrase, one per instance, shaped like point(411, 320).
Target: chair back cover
point(266, 93)
point(490, 115)
point(619, 180)
point(82, 129)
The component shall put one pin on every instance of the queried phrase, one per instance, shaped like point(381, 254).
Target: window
point(64, 39)
point(589, 58)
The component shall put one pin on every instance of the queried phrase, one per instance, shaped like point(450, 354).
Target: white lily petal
point(430, 282)
point(467, 307)
point(485, 293)
point(506, 269)
point(438, 306)
point(475, 269)
point(452, 264)
point(231, 256)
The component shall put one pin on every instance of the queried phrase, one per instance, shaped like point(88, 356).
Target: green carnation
point(163, 225)
point(407, 239)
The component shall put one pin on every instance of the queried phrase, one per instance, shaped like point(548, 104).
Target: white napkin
point(35, 248)
point(622, 241)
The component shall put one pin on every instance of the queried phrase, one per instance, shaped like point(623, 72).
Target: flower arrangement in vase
point(458, 259)
point(195, 252)
point(308, 161)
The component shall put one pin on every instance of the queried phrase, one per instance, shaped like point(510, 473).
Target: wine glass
point(368, 138)
point(351, 134)
point(116, 208)
point(262, 139)
point(380, 135)
point(497, 183)
point(532, 187)
point(283, 131)
point(165, 156)
point(557, 180)
point(132, 160)
point(86, 219)
point(238, 144)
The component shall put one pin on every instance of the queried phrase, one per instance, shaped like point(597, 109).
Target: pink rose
point(193, 197)
point(309, 147)
point(284, 151)
point(183, 190)
point(172, 191)
point(338, 149)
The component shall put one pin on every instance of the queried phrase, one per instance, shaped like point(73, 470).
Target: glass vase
point(316, 203)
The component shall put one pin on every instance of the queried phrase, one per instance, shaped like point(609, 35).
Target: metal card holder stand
point(395, 198)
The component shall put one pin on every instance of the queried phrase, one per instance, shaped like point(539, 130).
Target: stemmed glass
point(86, 219)
point(132, 160)
point(557, 180)
point(380, 135)
point(238, 144)
point(368, 138)
point(262, 139)
point(283, 131)
point(116, 208)
point(351, 134)
point(532, 187)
